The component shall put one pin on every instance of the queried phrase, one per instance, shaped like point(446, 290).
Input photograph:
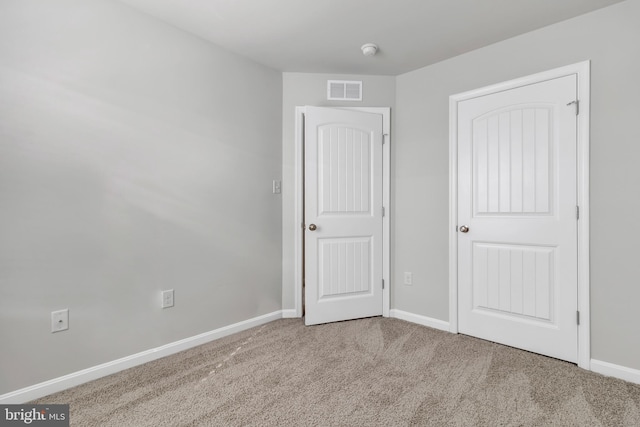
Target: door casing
point(299, 204)
point(582, 70)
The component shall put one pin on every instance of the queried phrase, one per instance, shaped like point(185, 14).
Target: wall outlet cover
point(167, 298)
point(408, 278)
point(60, 320)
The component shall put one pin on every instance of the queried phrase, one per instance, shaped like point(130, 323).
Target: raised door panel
point(514, 280)
point(344, 168)
point(513, 162)
point(344, 267)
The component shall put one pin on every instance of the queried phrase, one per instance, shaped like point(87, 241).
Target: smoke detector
point(369, 49)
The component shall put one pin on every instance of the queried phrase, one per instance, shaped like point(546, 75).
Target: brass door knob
point(464, 229)
point(312, 227)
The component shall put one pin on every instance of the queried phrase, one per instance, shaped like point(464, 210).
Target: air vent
point(343, 90)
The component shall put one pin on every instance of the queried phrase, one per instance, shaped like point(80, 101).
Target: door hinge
point(383, 211)
point(382, 283)
point(384, 138)
point(577, 102)
point(577, 317)
point(577, 212)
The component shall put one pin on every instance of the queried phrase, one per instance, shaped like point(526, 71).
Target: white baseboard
point(62, 383)
point(616, 371)
point(420, 320)
point(290, 313)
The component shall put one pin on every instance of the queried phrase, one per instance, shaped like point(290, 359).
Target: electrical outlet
point(408, 278)
point(167, 298)
point(277, 187)
point(59, 320)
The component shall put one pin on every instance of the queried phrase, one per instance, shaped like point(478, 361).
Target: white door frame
point(582, 70)
point(298, 254)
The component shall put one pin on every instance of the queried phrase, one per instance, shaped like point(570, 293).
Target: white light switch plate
point(277, 187)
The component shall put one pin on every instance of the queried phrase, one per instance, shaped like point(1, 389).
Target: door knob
point(312, 227)
point(464, 229)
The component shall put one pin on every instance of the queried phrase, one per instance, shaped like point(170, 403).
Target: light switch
point(277, 187)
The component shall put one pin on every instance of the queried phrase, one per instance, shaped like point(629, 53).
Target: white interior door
point(517, 252)
point(343, 215)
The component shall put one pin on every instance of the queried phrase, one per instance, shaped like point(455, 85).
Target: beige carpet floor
point(368, 372)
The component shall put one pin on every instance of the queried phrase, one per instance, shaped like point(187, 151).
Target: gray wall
point(133, 158)
point(609, 38)
point(300, 89)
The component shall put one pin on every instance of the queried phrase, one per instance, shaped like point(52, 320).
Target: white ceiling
point(326, 35)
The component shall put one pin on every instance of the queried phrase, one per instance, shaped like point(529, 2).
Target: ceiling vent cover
point(344, 90)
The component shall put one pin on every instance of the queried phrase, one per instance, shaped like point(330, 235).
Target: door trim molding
point(582, 71)
point(298, 250)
